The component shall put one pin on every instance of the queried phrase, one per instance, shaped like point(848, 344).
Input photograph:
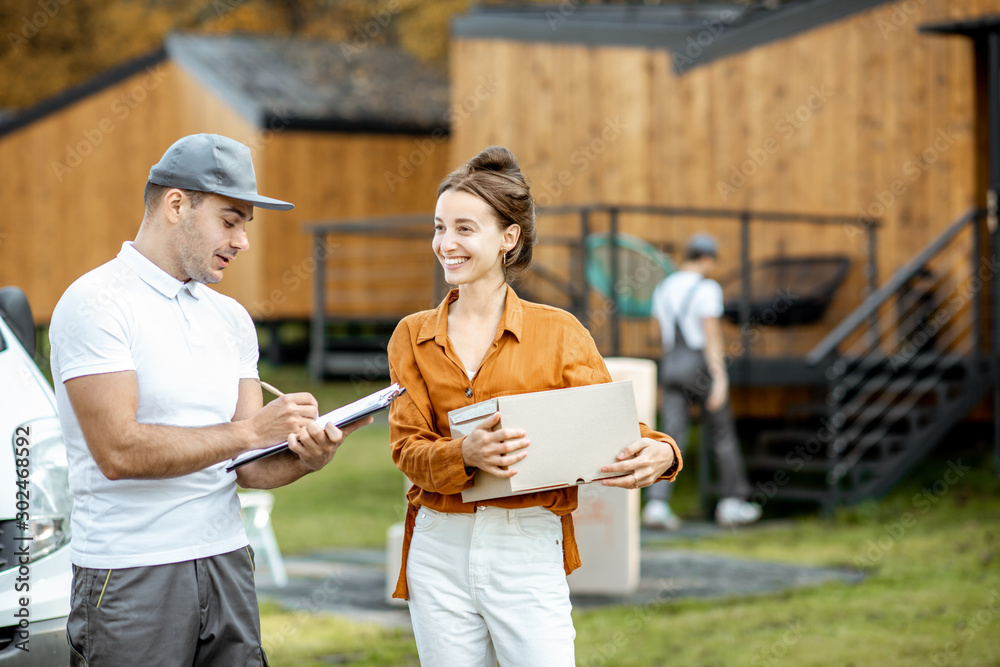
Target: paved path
point(352, 582)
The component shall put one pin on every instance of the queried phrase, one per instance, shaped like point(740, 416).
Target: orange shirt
point(536, 348)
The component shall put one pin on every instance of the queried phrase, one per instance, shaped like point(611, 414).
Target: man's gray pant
point(195, 613)
point(718, 432)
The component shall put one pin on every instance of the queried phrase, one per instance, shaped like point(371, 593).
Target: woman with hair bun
point(487, 580)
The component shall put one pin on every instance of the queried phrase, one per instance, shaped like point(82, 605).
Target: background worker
point(689, 304)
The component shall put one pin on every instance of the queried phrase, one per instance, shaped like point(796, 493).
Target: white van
point(35, 502)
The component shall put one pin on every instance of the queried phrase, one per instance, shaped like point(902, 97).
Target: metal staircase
point(902, 370)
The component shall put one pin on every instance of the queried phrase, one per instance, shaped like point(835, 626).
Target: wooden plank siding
point(861, 117)
point(343, 176)
point(78, 176)
point(60, 223)
point(680, 137)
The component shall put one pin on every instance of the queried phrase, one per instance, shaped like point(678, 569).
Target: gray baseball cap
point(702, 244)
point(215, 164)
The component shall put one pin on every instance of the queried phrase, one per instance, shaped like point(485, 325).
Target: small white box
point(573, 433)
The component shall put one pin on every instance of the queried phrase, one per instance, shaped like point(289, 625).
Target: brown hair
point(154, 193)
point(495, 177)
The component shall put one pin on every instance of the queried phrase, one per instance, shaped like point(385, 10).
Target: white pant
point(488, 585)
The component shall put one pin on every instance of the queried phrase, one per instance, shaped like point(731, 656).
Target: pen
point(276, 392)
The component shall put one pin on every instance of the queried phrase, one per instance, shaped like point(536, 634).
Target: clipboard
point(342, 416)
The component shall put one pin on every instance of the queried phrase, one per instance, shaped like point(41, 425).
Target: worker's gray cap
point(215, 164)
point(702, 244)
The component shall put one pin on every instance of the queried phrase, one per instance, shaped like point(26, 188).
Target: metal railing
point(746, 219)
point(909, 361)
point(868, 310)
point(570, 281)
point(387, 269)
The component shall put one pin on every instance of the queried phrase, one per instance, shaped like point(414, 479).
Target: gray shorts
point(199, 612)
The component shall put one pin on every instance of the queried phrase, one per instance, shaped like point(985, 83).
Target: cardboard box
point(573, 433)
point(606, 525)
point(607, 521)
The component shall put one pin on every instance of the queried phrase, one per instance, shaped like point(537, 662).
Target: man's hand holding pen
point(292, 418)
point(283, 416)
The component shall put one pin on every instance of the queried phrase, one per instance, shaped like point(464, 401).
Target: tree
point(50, 45)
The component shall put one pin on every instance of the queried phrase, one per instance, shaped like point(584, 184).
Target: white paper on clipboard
point(342, 416)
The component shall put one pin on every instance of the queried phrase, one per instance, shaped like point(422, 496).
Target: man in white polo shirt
point(155, 377)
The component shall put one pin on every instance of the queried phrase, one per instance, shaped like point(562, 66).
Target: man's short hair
point(154, 193)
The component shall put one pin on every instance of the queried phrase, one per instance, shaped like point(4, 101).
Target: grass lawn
point(930, 550)
point(931, 597)
point(352, 501)
point(299, 639)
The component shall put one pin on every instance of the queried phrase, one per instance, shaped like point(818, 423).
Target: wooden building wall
point(344, 176)
point(73, 180)
point(831, 121)
point(72, 188)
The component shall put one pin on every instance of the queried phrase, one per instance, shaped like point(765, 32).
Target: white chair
point(255, 510)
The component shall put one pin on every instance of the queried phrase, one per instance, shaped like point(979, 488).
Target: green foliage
point(50, 45)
